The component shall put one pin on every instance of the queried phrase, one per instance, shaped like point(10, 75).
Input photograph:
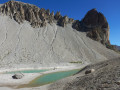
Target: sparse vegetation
point(76, 62)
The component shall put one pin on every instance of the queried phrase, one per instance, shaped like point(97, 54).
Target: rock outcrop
point(94, 23)
point(96, 26)
point(37, 17)
point(62, 21)
point(20, 11)
point(17, 76)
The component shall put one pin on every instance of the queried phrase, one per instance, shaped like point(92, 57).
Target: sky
point(77, 9)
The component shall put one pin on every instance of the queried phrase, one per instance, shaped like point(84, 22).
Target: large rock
point(17, 76)
point(94, 18)
point(89, 71)
point(96, 26)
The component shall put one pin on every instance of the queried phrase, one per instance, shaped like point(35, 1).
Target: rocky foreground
point(106, 76)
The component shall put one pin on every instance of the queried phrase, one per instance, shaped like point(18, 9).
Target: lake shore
point(7, 82)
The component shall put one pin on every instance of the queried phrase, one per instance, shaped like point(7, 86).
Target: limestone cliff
point(20, 11)
point(31, 13)
point(33, 37)
point(94, 23)
point(96, 26)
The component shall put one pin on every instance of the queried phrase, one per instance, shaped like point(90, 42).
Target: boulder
point(17, 76)
point(118, 82)
point(89, 71)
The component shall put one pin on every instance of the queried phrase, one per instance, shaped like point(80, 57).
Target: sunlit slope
point(51, 45)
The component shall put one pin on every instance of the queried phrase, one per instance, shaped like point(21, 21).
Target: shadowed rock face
point(96, 26)
point(94, 19)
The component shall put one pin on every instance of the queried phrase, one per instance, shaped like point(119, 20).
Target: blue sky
point(78, 8)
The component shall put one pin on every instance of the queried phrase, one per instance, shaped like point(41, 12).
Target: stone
point(52, 14)
point(63, 21)
point(48, 12)
point(89, 71)
point(71, 20)
point(96, 26)
point(77, 25)
point(51, 18)
point(118, 82)
point(17, 76)
point(57, 16)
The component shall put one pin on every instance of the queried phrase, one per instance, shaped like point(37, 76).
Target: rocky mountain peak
point(21, 11)
point(37, 17)
point(94, 23)
point(97, 26)
point(94, 18)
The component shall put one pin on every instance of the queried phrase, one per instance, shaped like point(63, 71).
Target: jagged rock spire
point(95, 25)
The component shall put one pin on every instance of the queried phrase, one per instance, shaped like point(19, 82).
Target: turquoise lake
point(49, 78)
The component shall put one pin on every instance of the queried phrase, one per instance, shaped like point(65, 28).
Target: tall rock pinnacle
point(96, 26)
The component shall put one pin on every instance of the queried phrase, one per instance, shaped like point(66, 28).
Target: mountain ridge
point(22, 45)
point(94, 23)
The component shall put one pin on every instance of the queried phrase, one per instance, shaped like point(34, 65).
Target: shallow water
point(28, 71)
point(49, 78)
